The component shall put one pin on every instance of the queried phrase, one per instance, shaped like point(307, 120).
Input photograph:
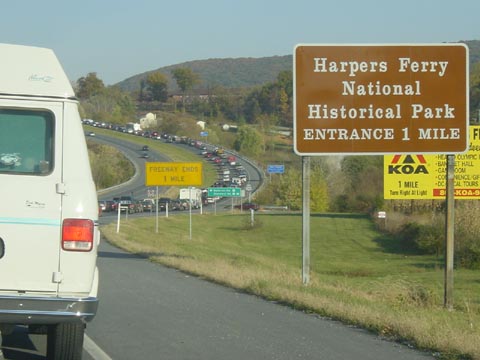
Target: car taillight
point(77, 235)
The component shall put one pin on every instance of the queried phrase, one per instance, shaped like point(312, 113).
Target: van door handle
point(60, 188)
point(2, 248)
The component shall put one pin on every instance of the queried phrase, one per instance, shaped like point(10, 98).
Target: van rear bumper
point(28, 310)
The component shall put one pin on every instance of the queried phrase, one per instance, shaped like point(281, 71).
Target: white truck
point(192, 196)
point(132, 128)
point(49, 233)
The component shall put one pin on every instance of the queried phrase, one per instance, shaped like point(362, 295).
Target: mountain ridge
point(224, 72)
point(242, 72)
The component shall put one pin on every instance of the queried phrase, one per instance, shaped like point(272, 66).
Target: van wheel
point(65, 341)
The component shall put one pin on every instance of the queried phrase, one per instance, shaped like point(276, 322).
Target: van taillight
point(77, 235)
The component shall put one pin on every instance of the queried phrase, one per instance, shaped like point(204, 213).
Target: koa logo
point(408, 166)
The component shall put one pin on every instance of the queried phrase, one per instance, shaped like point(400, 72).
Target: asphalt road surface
point(148, 311)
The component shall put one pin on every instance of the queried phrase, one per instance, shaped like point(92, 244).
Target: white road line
point(94, 350)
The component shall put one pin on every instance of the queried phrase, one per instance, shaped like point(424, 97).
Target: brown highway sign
point(378, 99)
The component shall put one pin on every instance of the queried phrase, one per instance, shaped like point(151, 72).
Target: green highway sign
point(224, 192)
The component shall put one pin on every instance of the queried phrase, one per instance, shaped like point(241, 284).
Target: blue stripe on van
point(29, 221)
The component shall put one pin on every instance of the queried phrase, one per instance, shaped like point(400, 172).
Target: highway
point(148, 311)
point(136, 188)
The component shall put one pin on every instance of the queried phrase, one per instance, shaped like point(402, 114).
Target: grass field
point(358, 275)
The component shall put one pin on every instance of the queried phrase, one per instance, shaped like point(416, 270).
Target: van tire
point(65, 341)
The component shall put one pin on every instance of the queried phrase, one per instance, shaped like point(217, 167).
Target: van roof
point(32, 71)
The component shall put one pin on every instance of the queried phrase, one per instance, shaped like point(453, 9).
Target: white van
point(49, 231)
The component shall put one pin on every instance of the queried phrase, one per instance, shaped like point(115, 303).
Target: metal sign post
point(449, 234)
point(190, 210)
point(156, 211)
point(306, 221)
point(118, 217)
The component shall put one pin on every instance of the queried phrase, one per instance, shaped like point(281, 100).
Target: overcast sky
point(118, 38)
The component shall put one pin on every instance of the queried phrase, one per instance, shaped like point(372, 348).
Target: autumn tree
point(249, 141)
point(252, 107)
point(475, 91)
point(89, 86)
point(364, 184)
point(186, 79)
point(104, 103)
point(157, 84)
point(272, 99)
point(286, 190)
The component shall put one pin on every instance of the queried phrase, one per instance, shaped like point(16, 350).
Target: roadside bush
point(425, 234)
point(423, 238)
point(109, 166)
point(431, 238)
point(467, 238)
point(408, 235)
point(467, 252)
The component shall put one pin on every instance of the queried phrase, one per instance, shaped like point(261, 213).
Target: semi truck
point(132, 128)
point(192, 196)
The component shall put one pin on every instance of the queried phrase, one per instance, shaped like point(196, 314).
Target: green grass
point(358, 275)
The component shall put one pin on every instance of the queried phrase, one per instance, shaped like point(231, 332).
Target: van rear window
point(26, 141)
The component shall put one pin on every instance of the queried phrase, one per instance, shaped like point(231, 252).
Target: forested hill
point(474, 49)
point(241, 72)
point(228, 73)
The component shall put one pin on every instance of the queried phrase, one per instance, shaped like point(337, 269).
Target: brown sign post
point(377, 99)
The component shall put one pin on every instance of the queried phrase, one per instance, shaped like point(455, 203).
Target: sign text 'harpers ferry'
point(381, 99)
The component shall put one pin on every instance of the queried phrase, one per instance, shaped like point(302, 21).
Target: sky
point(117, 39)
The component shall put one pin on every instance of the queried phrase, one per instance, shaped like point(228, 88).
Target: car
point(115, 203)
point(109, 205)
point(247, 206)
point(145, 148)
point(103, 205)
point(163, 203)
point(126, 203)
point(180, 204)
point(138, 206)
point(148, 204)
point(145, 155)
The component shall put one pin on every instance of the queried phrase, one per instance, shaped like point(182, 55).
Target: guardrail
point(274, 207)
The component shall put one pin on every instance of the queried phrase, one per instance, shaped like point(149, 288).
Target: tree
point(284, 107)
point(364, 183)
point(252, 109)
point(157, 84)
point(285, 82)
point(186, 79)
point(112, 105)
point(475, 91)
point(89, 86)
point(249, 141)
point(287, 192)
